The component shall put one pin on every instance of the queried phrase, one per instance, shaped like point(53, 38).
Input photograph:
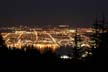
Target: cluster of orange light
point(44, 46)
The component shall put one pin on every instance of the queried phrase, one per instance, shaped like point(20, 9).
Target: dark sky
point(54, 12)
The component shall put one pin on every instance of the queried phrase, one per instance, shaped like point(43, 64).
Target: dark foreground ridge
point(33, 57)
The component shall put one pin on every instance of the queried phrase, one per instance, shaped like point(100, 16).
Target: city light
point(65, 57)
point(42, 39)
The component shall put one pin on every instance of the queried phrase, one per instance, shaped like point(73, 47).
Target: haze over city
point(77, 13)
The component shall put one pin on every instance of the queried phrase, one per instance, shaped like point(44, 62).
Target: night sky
point(51, 12)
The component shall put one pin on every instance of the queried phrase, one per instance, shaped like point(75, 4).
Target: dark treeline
point(100, 36)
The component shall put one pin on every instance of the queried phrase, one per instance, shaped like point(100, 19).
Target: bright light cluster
point(44, 39)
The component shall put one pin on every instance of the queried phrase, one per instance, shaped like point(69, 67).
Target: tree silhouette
point(77, 38)
point(2, 42)
point(101, 39)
